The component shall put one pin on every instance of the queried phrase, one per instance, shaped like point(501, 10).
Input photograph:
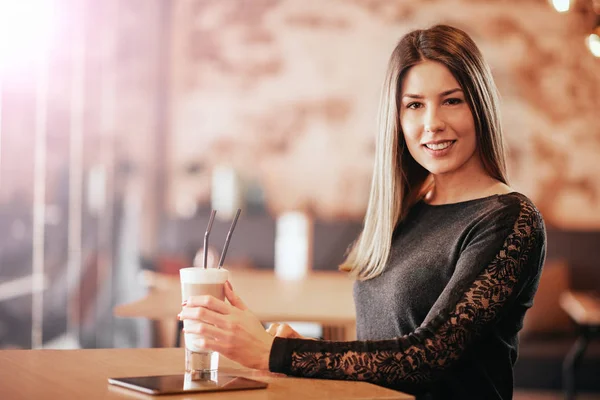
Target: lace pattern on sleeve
point(417, 357)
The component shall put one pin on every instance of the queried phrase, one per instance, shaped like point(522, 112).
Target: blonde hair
point(398, 180)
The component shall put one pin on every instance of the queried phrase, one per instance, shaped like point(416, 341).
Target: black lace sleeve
point(441, 340)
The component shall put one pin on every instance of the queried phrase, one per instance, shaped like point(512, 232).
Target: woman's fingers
point(230, 329)
point(249, 349)
point(199, 328)
point(273, 329)
point(204, 329)
point(233, 298)
point(286, 331)
point(214, 338)
point(210, 302)
point(283, 330)
point(204, 315)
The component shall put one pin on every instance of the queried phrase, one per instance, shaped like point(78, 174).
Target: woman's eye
point(453, 101)
point(414, 105)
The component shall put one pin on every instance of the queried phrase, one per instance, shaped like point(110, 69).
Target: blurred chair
point(584, 310)
point(18, 287)
point(167, 331)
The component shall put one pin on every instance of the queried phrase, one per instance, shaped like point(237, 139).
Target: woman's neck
point(468, 185)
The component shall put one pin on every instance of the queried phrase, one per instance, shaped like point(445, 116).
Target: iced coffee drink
point(197, 282)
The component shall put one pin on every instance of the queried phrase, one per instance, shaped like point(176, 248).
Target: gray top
point(441, 321)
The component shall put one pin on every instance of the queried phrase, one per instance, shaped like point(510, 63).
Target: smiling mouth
point(439, 146)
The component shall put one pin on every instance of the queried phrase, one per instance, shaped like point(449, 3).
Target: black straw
point(228, 239)
point(206, 234)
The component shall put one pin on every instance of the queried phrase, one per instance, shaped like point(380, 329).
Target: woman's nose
point(433, 123)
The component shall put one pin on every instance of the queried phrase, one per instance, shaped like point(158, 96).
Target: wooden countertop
point(83, 374)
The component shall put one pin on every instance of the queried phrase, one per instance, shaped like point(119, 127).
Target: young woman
point(449, 258)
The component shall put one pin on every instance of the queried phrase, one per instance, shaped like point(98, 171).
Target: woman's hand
point(284, 331)
point(231, 329)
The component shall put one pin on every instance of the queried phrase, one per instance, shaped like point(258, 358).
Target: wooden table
point(83, 374)
point(321, 297)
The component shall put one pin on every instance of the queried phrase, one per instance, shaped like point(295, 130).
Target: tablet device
point(173, 384)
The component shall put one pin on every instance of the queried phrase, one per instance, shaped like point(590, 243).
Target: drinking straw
point(228, 239)
point(206, 234)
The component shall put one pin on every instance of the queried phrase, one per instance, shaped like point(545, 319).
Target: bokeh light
point(561, 5)
point(593, 43)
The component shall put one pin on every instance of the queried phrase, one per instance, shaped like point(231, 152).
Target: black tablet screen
point(169, 384)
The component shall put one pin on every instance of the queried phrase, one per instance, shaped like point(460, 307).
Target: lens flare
point(26, 31)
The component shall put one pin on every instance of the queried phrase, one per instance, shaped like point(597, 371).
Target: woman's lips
point(440, 152)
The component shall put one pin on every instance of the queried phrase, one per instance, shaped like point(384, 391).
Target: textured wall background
point(287, 92)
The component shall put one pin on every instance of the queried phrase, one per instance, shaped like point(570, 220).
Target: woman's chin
point(440, 170)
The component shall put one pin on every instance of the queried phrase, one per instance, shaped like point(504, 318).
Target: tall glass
point(200, 364)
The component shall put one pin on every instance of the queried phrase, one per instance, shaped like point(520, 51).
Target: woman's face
point(437, 122)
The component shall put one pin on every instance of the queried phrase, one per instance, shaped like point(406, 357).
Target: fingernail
point(184, 303)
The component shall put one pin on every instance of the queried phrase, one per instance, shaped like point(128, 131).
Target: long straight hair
point(398, 180)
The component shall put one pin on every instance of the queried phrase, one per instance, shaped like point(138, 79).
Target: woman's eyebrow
point(420, 96)
point(447, 92)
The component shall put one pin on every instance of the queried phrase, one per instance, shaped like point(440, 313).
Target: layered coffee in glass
point(201, 364)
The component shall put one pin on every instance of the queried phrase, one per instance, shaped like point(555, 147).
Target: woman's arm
point(469, 308)
point(468, 305)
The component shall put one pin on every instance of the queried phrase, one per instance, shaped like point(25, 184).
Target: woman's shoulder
point(516, 201)
point(514, 212)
